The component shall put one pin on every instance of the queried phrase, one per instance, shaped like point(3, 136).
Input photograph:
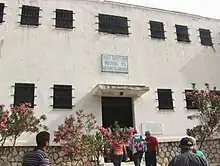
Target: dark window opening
point(182, 33)
point(113, 24)
point(2, 6)
point(117, 109)
point(165, 98)
point(189, 100)
point(24, 93)
point(157, 30)
point(205, 36)
point(64, 19)
point(62, 97)
point(30, 15)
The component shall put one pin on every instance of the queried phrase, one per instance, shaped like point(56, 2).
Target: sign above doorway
point(114, 63)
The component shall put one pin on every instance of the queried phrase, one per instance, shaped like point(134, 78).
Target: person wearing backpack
point(138, 147)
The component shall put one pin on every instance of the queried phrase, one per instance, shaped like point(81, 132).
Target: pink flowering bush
point(115, 135)
point(208, 103)
point(79, 138)
point(18, 120)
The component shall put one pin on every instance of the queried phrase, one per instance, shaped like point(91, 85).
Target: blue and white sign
point(114, 63)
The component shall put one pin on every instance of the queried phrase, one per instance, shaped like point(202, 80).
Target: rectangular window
point(24, 93)
point(165, 98)
point(2, 6)
point(30, 15)
point(189, 101)
point(205, 37)
point(64, 19)
point(182, 33)
point(113, 24)
point(62, 97)
point(157, 30)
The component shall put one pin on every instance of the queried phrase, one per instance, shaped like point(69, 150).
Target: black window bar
point(113, 24)
point(189, 100)
point(62, 97)
point(2, 7)
point(24, 93)
point(182, 33)
point(30, 15)
point(165, 99)
point(157, 30)
point(205, 37)
point(64, 19)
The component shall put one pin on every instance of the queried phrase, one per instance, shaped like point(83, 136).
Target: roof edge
point(157, 9)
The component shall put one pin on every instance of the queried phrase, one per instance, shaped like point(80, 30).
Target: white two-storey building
point(121, 62)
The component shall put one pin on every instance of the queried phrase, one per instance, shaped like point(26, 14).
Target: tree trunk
point(14, 141)
point(3, 141)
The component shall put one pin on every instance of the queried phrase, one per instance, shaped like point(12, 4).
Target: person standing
point(195, 148)
point(152, 149)
point(187, 157)
point(119, 150)
point(39, 156)
point(138, 147)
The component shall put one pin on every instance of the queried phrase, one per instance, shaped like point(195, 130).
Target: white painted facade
point(47, 56)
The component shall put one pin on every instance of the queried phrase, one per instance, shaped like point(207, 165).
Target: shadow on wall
point(204, 67)
point(89, 103)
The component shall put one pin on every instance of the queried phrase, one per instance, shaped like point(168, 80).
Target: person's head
point(185, 144)
point(147, 133)
point(194, 147)
point(135, 132)
point(43, 139)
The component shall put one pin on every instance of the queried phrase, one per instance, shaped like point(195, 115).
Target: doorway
point(118, 109)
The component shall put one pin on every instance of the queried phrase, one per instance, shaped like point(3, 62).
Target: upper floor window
point(113, 24)
point(189, 101)
point(182, 33)
point(62, 97)
point(30, 15)
point(205, 36)
point(2, 6)
point(157, 30)
point(165, 99)
point(64, 19)
point(24, 93)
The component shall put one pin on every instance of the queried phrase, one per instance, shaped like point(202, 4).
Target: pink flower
point(2, 125)
point(2, 105)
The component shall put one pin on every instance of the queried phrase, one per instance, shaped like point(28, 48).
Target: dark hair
point(135, 132)
point(42, 138)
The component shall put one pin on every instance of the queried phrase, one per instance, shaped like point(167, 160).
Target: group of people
point(149, 148)
point(138, 146)
point(190, 154)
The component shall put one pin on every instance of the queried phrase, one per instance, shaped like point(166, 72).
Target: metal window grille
point(182, 33)
point(205, 36)
point(62, 97)
point(2, 6)
point(165, 99)
point(189, 101)
point(157, 30)
point(24, 93)
point(30, 15)
point(64, 19)
point(113, 24)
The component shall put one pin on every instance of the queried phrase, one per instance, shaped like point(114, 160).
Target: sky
point(207, 8)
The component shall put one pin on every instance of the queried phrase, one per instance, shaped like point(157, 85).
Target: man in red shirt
point(152, 149)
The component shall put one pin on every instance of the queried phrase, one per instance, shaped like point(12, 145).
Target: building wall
point(47, 56)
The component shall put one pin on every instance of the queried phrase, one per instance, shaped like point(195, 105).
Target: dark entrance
point(117, 109)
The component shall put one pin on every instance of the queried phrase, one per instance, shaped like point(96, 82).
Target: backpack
point(139, 143)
